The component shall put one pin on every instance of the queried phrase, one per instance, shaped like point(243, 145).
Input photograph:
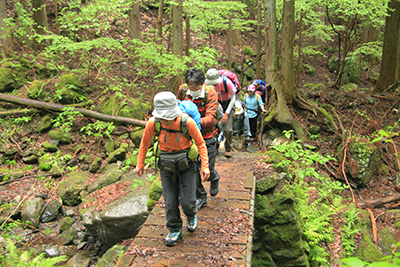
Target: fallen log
point(377, 202)
point(58, 108)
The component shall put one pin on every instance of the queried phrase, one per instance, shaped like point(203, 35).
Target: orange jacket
point(207, 109)
point(172, 144)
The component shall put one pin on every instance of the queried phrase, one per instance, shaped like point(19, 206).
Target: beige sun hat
point(165, 106)
point(213, 77)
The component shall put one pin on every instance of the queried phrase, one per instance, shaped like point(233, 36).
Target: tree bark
point(187, 37)
point(134, 21)
point(40, 15)
point(6, 47)
point(389, 66)
point(58, 108)
point(229, 44)
point(236, 37)
point(287, 50)
point(271, 43)
point(377, 202)
point(177, 40)
point(258, 31)
point(159, 21)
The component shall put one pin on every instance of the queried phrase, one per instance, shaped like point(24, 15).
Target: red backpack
point(232, 76)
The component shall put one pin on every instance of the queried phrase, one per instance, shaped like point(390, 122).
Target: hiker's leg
point(170, 190)
point(253, 127)
point(228, 131)
point(187, 193)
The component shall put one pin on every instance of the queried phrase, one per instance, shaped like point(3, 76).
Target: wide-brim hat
point(165, 106)
point(213, 77)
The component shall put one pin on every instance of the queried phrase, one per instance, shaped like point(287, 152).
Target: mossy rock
point(35, 90)
point(64, 138)
point(155, 190)
point(45, 72)
point(70, 89)
point(9, 80)
point(248, 51)
point(125, 107)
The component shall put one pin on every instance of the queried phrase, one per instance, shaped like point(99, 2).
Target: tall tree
point(159, 21)
point(40, 15)
point(6, 43)
point(388, 78)
point(259, 37)
point(271, 42)
point(187, 35)
point(134, 21)
point(287, 49)
point(177, 35)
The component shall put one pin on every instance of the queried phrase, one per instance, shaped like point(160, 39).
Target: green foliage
point(65, 119)
point(316, 216)
point(386, 261)
point(17, 258)
point(99, 129)
point(349, 230)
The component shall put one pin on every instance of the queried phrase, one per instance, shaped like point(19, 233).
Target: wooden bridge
point(223, 236)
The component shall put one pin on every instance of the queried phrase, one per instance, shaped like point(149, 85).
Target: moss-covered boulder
point(107, 260)
point(65, 224)
point(363, 162)
point(64, 138)
point(32, 210)
point(46, 123)
point(10, 80)
point(96, 164)
point(367, 250)
point(50, 147)
point(136, 136)
point(155, 192)
point(70, 188)
point(35, 90)
point(118, 154)
point(46, 162)
point(70, 89)
point(125, 107)
point(248, 51)
point(112, 175)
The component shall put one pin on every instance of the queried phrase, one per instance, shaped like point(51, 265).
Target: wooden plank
point(198, 235)
point(249, 180)
point(125, 260)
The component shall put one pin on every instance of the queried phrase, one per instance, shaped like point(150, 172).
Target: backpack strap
point(183, 130)
point(224, 82)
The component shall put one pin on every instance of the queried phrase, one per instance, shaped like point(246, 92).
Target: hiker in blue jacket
point(252, 102)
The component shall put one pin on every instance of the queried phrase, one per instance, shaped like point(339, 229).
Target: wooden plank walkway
point(223, 236)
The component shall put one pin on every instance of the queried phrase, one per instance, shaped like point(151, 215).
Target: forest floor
point(357, 113)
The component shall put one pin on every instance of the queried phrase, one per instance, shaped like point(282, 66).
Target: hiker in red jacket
point(227, 100)
point(206, 100)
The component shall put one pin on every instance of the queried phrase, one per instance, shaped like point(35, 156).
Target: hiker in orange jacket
point(206, 100)
point(178, 172)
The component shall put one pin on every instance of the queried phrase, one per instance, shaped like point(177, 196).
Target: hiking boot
point(172, 238)
point(191, 223)
point(228, 154)
point(201, 202)
point(214, 188)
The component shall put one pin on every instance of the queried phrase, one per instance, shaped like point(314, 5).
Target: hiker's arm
point(144, 145)
point(210, 117)
point(261, 104)
point(195, 133)
point(228, 109)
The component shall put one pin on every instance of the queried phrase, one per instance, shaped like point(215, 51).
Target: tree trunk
point(271, 44)
point(159, 21)
point(187, 31)
point(134, 21)
point(177, 40)
point(40, 15)
point(229, 44)
point(58, 108)
point(237, 37)
point(389, 66)
point(299, 62)
point(287, 50)
point(6, 42)
point(258, 31)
